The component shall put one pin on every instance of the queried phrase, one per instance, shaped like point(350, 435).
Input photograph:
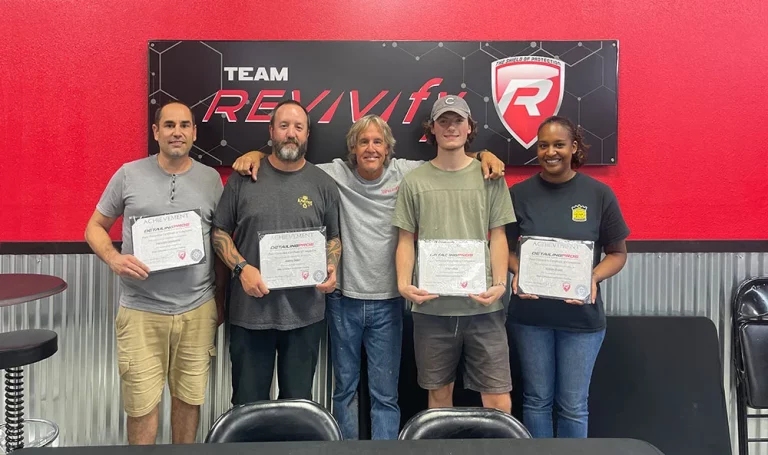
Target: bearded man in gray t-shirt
point(366, 308)
point(167, 319)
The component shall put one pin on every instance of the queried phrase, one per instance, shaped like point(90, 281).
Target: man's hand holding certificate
point(169, 241)
point(452, 267)
point(293, 259)
point(555, 268)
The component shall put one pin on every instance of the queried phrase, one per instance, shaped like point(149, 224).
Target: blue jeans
point(377, 324)
point(556, 367)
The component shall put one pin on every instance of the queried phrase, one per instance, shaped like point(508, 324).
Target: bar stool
point(19, 348)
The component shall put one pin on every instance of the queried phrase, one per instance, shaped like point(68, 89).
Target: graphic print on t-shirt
point(579, 213)
point(305, 202)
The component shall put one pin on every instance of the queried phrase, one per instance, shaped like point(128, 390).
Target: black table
point(424, 447)
point(18, 288)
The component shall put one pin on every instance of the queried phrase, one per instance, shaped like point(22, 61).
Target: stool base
point(37, 433)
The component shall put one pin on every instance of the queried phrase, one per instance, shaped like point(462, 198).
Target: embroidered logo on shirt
point(579, 213)
point(305, 202)
point(390, 190)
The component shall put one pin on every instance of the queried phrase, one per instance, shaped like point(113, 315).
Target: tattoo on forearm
point(225, 248)
point(333, 250)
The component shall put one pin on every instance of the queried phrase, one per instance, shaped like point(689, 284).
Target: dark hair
point(575, 133)
point(283, 103)
point(431, 137)
point(159, 110)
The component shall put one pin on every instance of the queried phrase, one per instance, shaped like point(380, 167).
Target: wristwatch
point(239, 268)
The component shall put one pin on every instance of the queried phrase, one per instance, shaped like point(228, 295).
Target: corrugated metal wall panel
point(79, 386)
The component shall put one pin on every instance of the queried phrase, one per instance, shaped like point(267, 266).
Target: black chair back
point(281, 420)
point(750, 311)
point(750, 352)
point(463, 423)
point(660, 379)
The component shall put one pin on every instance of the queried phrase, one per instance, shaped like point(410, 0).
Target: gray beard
point(290, 153)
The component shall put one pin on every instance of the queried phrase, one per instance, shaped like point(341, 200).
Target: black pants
point(253, 361)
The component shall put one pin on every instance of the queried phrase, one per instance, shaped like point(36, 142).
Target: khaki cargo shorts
point(152, 347)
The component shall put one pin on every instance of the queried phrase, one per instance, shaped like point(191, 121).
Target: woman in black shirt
point(558, 341)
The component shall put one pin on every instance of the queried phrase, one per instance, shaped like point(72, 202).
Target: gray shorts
point(440, 340)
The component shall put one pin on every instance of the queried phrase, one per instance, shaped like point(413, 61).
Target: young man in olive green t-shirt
point(447, 199)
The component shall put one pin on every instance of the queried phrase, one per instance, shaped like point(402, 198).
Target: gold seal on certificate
point(452, 267)
point(555, 268)
point(293, 259)
point(168, 241)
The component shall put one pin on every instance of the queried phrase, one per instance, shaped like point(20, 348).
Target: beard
point(290, 150)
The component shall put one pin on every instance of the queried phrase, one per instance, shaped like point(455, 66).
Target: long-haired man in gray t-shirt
point(366, 308)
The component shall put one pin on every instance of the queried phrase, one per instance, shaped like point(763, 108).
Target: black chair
point(750, 354)
point(271, 421)
point(463, 423)
point(660, 379)
point(17, 349)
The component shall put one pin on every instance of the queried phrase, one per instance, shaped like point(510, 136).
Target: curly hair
point(575, 133)
point(431, 137)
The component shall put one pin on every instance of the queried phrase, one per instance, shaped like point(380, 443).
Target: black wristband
point(239, 268)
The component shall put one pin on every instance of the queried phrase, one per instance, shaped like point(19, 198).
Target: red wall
point(693, 133)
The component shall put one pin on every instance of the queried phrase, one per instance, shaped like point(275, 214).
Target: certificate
point(292, 259)
point(555, 268)
point(169, 241)
point(452, 267)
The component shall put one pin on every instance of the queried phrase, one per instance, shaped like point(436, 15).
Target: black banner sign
point(510, 86)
